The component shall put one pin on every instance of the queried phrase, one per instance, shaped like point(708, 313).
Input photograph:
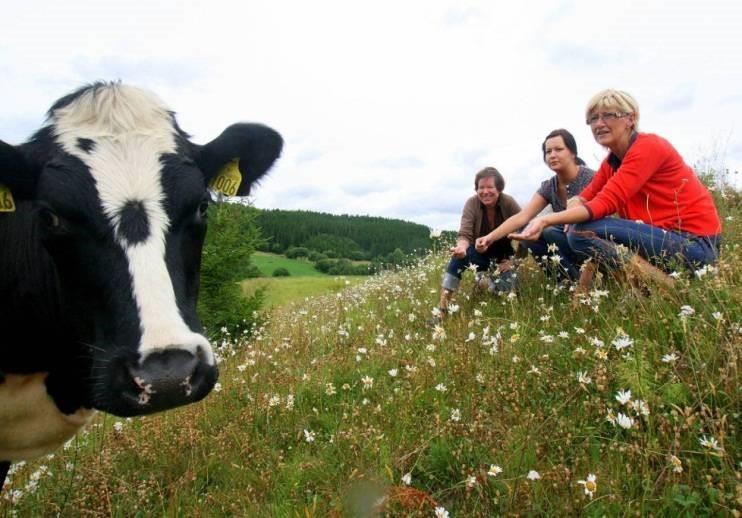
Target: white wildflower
point(623, 397)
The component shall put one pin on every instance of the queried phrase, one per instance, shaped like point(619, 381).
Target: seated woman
point(482, 212)
point(664, 211)
point(572, 176)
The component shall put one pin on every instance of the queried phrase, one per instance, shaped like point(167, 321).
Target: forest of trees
point(351, 237)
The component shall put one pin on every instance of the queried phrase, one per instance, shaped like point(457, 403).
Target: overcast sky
point(389, 108)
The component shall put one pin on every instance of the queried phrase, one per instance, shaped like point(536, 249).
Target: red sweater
point(654, 185)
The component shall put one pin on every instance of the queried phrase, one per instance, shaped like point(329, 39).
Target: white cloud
point(389, 108)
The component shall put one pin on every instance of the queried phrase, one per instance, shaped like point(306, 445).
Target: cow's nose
point(167, 378)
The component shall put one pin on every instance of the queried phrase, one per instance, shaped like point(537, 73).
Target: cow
point(104, 214)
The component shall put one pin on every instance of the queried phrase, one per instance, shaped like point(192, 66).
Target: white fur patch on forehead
point(110, 110)
point(131, 130)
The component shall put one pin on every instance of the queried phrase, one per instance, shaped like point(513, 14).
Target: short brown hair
point(490, 172)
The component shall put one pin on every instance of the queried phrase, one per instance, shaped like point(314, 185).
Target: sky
point(389, 108)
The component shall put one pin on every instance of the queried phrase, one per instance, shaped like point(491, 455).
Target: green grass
point(267, 264)
point(283, 290)
point(325, 408)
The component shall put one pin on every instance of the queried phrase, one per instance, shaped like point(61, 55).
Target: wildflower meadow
point(625, 403)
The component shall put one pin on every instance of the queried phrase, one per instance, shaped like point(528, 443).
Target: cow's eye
point(49, 219)
point(203, 209)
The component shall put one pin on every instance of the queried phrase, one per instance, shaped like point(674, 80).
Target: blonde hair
point(616, 99)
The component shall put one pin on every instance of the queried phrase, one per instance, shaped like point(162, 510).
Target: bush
point(231, 239)
point(281, 272)
point(316, 256)
point(295, 252)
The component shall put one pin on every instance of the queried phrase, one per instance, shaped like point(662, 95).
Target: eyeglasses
point(605, 116)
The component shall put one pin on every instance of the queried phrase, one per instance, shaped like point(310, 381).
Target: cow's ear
point(247, 149)
point(16, 173)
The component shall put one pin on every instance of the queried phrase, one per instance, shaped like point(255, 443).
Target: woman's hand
point(532, 231)
point(458, 251)
point(482, 243)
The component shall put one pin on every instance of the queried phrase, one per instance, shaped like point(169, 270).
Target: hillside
point(352, 405)
point(354, 237)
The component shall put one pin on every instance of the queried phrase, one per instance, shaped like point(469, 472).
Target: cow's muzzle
point(165, 379)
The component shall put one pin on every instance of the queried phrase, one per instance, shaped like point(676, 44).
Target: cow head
point(117, 197)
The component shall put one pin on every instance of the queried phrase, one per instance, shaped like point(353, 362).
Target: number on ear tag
point(228, 180)
point(7, 204)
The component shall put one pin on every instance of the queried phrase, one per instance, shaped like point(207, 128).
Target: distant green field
point(267, 263)
point(283, 290)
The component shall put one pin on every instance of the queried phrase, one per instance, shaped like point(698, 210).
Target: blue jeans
point(569, 262)
point(452, 277)
point(599, 238)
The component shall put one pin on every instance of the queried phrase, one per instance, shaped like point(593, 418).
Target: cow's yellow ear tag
point(7, 203)
point(229, 178)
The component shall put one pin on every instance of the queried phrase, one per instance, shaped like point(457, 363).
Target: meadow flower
point(453, 308)
point(717, 315)
point(455, 415)
point(590, 485)
point(670, 358)
point(601, 354)
point(547, 339)
point(494, 470)
point(217, 387)
point(411, 317)
point(579, 331)
point(275, 400)
point(471, 337)
point(533, 475)
point(407, 479)
point(477, 313)
point(290, 402)
point(431, 361)
point(439, 333)
point(622, 342)
point(710, 443)
point(480, 378)
point(309, 435)
point(435, 233)
point(393, 372)
point(641, 407)
point(534, 370)
point(677, 465)
point(440, 387)
point(583, 378)
point(430, 348)
point(686, 311)
point(330, 389)
point(623, 397)
point(597, 342)
point(368, 382)
point(472, 268)
point(440, 512)
point(563, 334)
point(624, 421)
point(471, 481)
point(118, 426)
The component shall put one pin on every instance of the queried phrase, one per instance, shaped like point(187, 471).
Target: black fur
point(68, 305)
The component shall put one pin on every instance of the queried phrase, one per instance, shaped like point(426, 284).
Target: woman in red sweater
point(663, 210)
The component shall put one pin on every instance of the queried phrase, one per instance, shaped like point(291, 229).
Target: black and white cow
point(100, 252)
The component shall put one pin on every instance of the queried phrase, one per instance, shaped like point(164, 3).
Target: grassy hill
point(267, 264)
point(352, 405)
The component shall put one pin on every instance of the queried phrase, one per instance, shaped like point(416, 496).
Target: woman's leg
point(551, 237)
point(601, 239)
point(452, 276)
